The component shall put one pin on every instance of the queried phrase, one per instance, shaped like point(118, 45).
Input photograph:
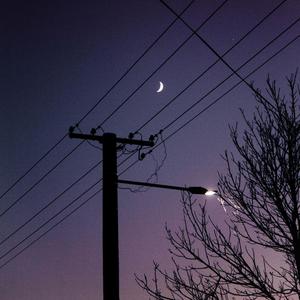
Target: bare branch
point(260, 193)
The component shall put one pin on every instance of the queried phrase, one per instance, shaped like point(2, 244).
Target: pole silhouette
point(110, 231)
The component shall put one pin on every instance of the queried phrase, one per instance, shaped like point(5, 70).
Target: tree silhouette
point(260, 192)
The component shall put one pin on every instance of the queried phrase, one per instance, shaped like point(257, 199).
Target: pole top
point(99, 138)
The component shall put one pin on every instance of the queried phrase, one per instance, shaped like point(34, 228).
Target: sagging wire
point(153, 177)
point(125, 148)
point(129, 151)
point(162, 162)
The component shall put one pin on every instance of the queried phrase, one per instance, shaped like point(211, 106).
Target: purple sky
point(57, 60)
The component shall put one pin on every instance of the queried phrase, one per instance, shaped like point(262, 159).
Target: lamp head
point(200, 191)
point(210, 193)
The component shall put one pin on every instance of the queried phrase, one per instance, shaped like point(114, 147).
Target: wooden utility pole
point(110, 235)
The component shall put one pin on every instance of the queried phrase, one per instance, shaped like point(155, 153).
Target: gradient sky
point(57, 60)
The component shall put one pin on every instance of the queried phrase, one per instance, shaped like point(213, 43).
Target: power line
point(157, 113)
point(139, 87)
point(136, 62)
point(55, 199)
point(216, 100)
point(45, 223)
point(60, 140)
point(161, 65)
point(53, 217)
point(52, 148)
point(226, 92)
point(171, 135)
point(214, 51)
point(39, 181)
point(229, 76)
point(33, 166)
point(58, 197)
point(240, 81)
point(233, 87)
point(212, 65)
point(50, 203)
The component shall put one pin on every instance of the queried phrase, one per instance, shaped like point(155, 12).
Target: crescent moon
point(161, 87)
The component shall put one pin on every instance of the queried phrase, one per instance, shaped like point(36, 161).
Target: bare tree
point(260, 193)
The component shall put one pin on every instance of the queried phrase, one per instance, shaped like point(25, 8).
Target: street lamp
point(210, 193)
point(199, 190)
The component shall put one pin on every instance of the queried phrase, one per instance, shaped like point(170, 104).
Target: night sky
point(58, 58)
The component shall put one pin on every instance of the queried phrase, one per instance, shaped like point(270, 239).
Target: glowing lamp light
point(210, 193)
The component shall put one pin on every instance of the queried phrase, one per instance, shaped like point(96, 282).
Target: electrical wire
point(161, 65)
point(204, 41)
point(223, 95)
point(194, 32)
point(136, 62)
point(240, 81)
point(100, 125)
point(52, 218)
point(158, 166)
point(212, 65)
point(39, 181)
point(123, 103)
point(49, 203)
point(77, 124)
point(56, 198)
point(238, 69)
point(33, 166)
point(97, 192)
point(234, 86)
point(220, 97)
point(45, 223)
point(60, 140)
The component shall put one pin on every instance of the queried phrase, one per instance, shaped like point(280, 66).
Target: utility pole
point(110, 234)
